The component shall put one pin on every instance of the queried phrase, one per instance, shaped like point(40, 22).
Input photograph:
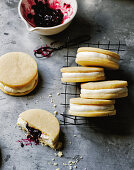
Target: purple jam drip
point(22, 145)
point(44, 51)
point(33, 136)
point(44, 15)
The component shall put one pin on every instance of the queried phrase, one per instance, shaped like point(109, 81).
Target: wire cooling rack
point(72, 90)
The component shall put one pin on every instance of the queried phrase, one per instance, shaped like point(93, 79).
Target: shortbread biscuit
point(104, 90)
point(91, 107)
point(19, 73)
point(82, 74)
point(43, 123)
point(89, 56)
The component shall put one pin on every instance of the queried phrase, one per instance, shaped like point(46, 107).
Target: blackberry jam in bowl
point(47, 17)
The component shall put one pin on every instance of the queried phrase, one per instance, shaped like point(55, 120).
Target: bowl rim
point(48, 28)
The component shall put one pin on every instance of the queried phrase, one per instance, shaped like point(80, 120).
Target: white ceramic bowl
point(48, 30)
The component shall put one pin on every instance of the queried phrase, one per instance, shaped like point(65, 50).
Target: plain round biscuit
point(98, 50)
point(20, 94)
point(73, 80)
point(81, 101)
point(93, 114)
point(81, 69)
point(17, 69)
point(104, 96)
point(42, 120)
point(104, 85)
point(96, 61)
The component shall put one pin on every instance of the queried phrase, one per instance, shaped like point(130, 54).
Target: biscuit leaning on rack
point(82, 74)
point(91, 107)
point(104, 89)
point(89, 56)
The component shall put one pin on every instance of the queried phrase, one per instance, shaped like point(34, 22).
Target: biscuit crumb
point(75, 167)
point(70, 167)
point(55, 154)
point(50, 163)
point(36, 101)
point(54, 105)
point(70, 163)
point(53, 159)
point(50, 95)
point(51, 101)
point(74, 135)
point(70, 142)
point(58, 94)
point(55, 112)
point(60, 154)
point(55, 164)
point(58, 169)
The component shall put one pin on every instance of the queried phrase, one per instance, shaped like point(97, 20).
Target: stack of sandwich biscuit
point(18, 73)
point(96, 98)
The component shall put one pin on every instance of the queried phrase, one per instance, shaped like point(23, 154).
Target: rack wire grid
point(72, 90)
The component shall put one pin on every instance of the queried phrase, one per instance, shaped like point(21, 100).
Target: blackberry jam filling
point(44, 15)
point(34, 134)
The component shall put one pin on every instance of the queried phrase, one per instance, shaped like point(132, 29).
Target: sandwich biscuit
point(18, 73)
point(82, 74)
point(41, 126)
point(105, 89)
point(91, 107)
point(89, 56)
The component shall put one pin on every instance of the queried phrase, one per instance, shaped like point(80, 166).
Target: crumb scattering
point(55, 112)
point(54, 105)
point(70, 167)
point(60, 154)
point(55, 164)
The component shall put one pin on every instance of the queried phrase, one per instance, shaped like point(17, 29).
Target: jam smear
point(46, 51)
point(22, 145)
point(44, 15)
point(34, 134)
point(32, 137)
